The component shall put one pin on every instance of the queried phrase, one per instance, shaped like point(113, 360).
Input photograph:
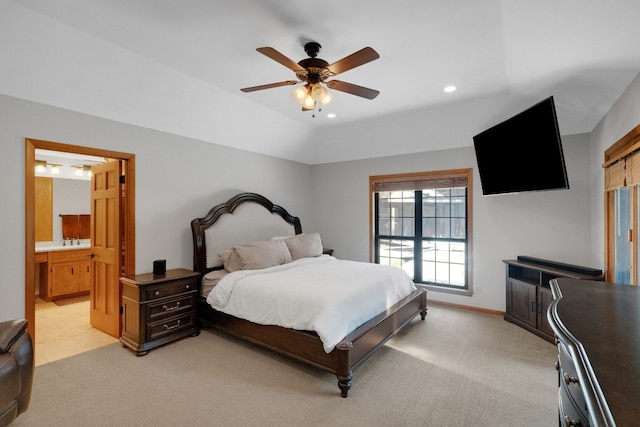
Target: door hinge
point(121, 179)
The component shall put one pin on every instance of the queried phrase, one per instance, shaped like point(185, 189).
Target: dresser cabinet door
point(521, 301)
point(545, 297)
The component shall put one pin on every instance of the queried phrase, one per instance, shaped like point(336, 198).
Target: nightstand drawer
point(175, 288)
point(170, 326)
point(170, 307)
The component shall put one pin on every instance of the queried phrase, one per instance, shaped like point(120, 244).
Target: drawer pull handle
point(157, 293)
point(186, 287)
point(568, 380)
point(175, 307)
point(168, 328)
point(569, 422)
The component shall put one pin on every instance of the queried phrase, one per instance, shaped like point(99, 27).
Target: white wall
point(177, 179)
point(623, 117)
point(552, 224)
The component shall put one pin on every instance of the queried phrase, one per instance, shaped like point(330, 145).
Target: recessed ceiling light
point(331, 115)
point(449, 89)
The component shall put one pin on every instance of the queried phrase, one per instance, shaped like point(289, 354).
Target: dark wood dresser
point(158, 309)
point(597, 327)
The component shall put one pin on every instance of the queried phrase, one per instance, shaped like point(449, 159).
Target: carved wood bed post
point(343, 372)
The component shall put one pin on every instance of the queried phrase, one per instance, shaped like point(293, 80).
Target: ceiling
point(584, 53)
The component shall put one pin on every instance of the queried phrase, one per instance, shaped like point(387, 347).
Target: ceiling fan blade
point(354, 60)
point(278, 57)
point(353, 89)
point(270, 85)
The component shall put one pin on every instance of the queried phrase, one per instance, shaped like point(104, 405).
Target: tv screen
point(523, 153)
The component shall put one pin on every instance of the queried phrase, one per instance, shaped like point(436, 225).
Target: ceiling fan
point(313, 71)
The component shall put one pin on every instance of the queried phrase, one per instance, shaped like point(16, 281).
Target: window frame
point(398, 179)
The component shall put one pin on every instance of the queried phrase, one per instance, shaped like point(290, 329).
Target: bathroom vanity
point(64, 270)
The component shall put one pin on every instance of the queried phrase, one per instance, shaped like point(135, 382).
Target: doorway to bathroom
point(107, 263)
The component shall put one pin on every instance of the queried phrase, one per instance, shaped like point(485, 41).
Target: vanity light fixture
point(41, 167)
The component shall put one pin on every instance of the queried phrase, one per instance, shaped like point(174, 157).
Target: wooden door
point(106, 247)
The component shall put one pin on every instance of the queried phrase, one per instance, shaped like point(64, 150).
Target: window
point(421, 223)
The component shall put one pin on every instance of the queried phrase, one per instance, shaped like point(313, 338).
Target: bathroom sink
point(61, 246)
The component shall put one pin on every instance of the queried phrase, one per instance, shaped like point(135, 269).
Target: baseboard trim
point(467, 307)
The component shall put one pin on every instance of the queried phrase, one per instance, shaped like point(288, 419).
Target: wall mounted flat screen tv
point(523, 153)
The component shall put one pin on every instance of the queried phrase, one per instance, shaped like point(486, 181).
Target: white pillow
point(230, 260)
point(304, 245)
point(263, 254)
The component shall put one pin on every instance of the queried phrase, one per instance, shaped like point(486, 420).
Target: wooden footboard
point(305, 346)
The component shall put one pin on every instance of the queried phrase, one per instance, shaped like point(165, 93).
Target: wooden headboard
point(245, 217)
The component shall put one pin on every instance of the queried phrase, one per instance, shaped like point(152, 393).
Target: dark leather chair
point(16, 370)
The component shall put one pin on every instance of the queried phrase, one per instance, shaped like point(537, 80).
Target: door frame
point(129, 212)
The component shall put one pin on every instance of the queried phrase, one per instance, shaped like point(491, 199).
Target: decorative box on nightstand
point(158, 309)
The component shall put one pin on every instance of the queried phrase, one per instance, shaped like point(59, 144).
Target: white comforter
point(329, 296)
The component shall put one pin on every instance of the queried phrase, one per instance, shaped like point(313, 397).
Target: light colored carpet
point(456, 368)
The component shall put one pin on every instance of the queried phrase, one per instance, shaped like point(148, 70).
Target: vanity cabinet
point(66, 273)
point(528, 292)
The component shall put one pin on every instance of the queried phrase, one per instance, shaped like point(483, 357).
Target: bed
point(250, 217)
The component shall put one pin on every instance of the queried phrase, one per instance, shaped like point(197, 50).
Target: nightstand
point(158, 309)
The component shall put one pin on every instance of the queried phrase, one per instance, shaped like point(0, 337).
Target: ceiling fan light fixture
point(309, 103)
point(299, 94)
point(320, 94)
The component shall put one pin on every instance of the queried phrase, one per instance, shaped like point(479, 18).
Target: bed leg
point(344, 382)
point(343, 372)
point(423, 305)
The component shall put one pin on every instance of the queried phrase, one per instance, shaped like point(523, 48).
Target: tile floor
point(62, 331)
